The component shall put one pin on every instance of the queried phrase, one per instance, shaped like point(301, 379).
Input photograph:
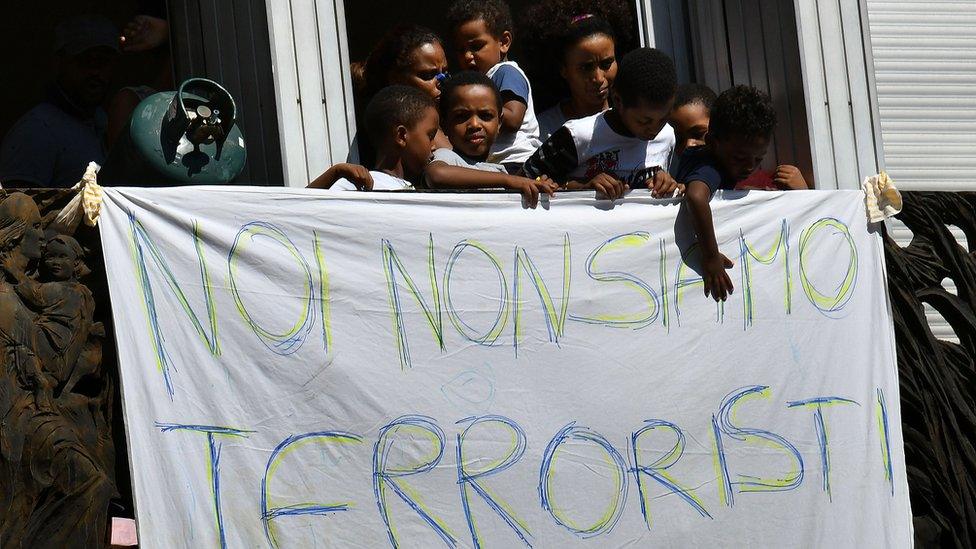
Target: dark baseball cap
point(84, 32)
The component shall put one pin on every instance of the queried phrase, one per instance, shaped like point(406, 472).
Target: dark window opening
point(29, 38)
point(366, 22)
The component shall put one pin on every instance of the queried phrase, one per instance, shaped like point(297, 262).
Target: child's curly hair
point(694, 94)
point(461, 79)
point(392, 106)
point(742, 111)
point(551, 27)
point(645, 74)
point(495, 13)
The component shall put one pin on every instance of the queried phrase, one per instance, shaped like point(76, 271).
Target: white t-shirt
point(600, 149)
point(381, 182)
point(515, 147)
point(550, 120)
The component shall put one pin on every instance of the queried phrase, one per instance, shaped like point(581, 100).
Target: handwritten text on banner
point(304, 369)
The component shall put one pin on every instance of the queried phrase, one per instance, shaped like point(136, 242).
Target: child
point(740, 126)
point(629, 145)
point(470, 116)
point(65, 308)
point(690, 116)
point(402, 122)
point(570, 49)
point(481, 32)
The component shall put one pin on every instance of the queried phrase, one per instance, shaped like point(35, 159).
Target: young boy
point(740, 126)
point(690, 116)
point(401, 121)
point(470, 117)
point(629, 145)
point(481, 34)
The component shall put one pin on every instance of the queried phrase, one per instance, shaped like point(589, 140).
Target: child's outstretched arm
point(441, 175)
point(718, 284)
point(356, 174)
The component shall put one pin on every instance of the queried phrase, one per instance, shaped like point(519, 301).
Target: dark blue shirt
point(698, 164)
point(52, 144)
point(508, 79)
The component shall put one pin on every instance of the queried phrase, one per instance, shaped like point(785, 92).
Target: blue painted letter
point(385, 475)
point(213, 458)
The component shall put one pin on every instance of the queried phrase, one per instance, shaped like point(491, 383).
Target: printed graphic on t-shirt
point(640, 177)
point(600, 149)
point(608, 162)
point(605, 162)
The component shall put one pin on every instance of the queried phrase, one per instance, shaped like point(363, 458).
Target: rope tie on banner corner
point(881, 199)
point(86, 204)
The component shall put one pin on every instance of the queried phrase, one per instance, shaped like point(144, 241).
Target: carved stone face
point(30, 244)
point(60, 261)
point(19, 218)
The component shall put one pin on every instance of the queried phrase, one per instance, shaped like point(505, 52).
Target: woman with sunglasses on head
point(410, 55)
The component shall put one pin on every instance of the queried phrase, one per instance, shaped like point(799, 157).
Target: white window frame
point(313, 85)
point(841, 98)
point(841, 103)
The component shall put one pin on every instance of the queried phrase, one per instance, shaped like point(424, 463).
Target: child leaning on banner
point(481, 34)
point(470, 117)
point(629, 145)
point(740, 126)
point(690, 117)
point(402, 122)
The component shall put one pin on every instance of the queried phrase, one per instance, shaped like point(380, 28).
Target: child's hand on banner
point(662, 185)
point(789, 178)
point(607, 186)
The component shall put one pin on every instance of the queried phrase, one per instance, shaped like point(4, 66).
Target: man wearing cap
point(53, 143)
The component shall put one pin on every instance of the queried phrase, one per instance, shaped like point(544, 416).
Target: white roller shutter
point(925, 70)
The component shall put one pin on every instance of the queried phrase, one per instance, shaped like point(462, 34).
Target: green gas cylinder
point(182, 137)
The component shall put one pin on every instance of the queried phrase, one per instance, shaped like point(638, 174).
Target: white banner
point(349, 369)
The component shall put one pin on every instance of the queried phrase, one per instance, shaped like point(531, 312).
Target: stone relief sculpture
point(56, 450)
